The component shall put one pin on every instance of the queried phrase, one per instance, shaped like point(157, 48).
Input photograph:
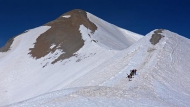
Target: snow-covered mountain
point(53, 56)
point(79, 60)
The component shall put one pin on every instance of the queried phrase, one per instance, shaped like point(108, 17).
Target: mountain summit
point(52, 56)
point(81, 60)
point(64, 34)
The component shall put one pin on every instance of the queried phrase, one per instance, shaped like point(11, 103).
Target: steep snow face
point(162, 79)
point(111, 36)
point(16, 66)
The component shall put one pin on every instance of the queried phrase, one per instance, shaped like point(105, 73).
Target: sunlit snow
point(66, 16)
point(96, 75)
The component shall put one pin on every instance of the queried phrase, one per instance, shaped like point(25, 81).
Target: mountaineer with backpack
point(132, 73)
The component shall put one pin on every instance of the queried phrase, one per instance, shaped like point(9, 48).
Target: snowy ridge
point(161, 68)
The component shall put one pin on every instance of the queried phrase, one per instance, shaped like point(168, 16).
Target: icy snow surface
point(96, 75)
point(111, 36)
point(66, 16)
point(162, 79)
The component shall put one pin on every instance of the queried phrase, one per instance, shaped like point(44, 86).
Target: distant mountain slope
point(161, 58)
point(52, 56)
point(112, 36)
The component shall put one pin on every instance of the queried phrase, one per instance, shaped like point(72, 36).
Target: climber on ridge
point(132, 73)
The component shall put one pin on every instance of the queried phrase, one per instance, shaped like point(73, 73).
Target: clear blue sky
point(140, 16)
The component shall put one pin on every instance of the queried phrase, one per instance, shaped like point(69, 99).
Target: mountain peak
point(64, 34)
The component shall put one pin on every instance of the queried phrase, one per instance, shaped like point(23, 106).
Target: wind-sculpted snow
point(111, 36)
point(95, 74)
point(92, 97)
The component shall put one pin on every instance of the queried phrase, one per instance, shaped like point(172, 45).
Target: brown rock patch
point(65, 34)
point(156, 36)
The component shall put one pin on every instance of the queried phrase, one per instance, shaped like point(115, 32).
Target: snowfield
point(96, 75)
point(92, 97)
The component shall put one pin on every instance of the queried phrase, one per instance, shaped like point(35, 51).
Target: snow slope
point(162, 78)
point(111, 36)
point(23, 77)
